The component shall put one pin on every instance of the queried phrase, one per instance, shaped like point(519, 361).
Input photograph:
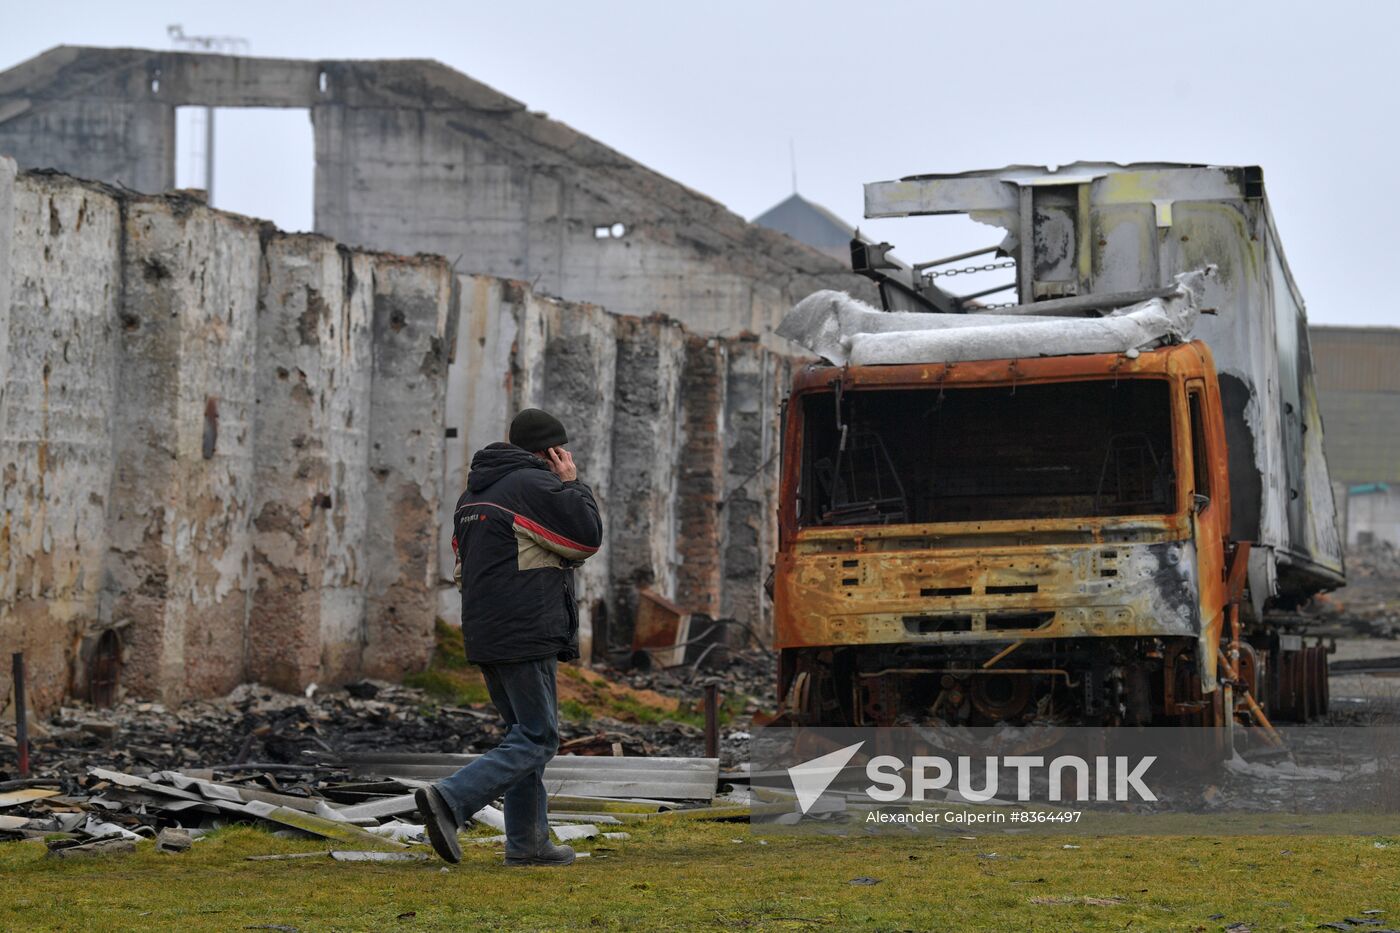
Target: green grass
point(574, 711)
point(719, 876)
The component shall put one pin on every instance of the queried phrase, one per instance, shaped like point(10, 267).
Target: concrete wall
point(406, 414)
point(219, 441)
point(180, 499)
point(674, 432)
point(412, 156)
point(311, 442)
point(226, 444)
point(60, 323)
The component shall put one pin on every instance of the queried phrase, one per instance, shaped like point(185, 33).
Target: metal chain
point(967, 270)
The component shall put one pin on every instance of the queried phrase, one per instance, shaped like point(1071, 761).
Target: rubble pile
point(254, 724)
point(361, 806)
point(340, 764)
point(750, 674)
point(258, 725)
point(1369, 605)
point(322, 765)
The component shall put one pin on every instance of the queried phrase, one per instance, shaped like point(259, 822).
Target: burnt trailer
point(1102, 504)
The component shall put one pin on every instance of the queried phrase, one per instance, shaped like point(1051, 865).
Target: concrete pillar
point(179, 559)
point(577, 383)
point(58, 260)
point(478, 403)
point(412, 301)
point(642, 535)
point(311, 456)
point(744, 514)
point(700, 475)
point(347, 399)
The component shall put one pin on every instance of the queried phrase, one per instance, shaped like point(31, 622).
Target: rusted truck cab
point(1003, 540)
point(1120, 538)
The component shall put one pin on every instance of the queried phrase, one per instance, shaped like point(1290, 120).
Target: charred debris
point(315, 766)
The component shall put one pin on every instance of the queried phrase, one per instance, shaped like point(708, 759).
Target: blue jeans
point(524, 694)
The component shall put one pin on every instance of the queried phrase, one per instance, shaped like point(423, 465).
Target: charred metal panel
point(831, 595)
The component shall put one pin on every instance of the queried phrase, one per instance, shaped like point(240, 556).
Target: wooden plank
point(26, 795)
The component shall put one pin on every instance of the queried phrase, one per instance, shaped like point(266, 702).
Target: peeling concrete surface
point(58, 308)
point(700, 474)
point(311, 455)
point(642, 531)
point(664, 424)
point(757, 380)
point(182, 488)
point(188, 408)
point(238, 448)
point(412, 300)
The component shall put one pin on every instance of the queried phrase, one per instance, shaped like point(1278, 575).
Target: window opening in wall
point(615, 231)
point(263, 161)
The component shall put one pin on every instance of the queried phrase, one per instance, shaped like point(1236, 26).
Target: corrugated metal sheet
point(1356, 359)
point(570, 775)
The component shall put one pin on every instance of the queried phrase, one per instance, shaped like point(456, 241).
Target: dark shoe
point(441, 824)
point(549, 855)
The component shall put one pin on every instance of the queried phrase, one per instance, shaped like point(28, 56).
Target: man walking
point(521, 527)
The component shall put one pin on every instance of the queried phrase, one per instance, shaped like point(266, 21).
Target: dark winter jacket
point(518, 533)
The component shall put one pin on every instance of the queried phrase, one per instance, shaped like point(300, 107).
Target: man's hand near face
point(561, 464)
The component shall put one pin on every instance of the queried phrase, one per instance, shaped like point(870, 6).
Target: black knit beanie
point(537, 430)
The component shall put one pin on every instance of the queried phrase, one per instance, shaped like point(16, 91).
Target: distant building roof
point(1356, 359)
point(812, 224)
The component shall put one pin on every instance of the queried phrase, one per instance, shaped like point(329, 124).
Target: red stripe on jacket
point(537, 528)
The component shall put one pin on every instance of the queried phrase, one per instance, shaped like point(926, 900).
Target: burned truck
point(1101, 504)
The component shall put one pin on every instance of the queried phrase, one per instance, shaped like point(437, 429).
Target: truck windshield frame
point(1073, 450)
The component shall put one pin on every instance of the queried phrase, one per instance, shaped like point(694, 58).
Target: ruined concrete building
point(231, 453)
point(412, 157)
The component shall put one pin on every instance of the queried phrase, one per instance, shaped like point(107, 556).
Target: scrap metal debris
point(110, 812)
point(307, 767)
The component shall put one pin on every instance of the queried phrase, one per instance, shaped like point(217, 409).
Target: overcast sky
point(712, 94)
